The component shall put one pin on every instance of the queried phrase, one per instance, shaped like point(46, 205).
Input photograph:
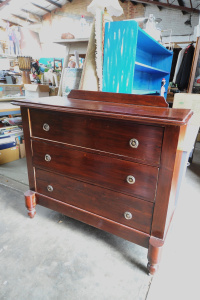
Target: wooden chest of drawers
point(109, 160)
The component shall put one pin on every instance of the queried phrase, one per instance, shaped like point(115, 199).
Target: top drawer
point(123, 138)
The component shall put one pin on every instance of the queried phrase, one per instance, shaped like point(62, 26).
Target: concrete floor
point(55, 257)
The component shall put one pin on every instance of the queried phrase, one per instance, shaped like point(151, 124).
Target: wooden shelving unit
point(134, 63)
point(71, 45)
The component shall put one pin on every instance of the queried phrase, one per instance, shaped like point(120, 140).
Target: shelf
point(8, 56)
point(68, 41)
point(148, 69)
point(145, 92)
point(5, 84)
point(10, 98)
point(146, 42)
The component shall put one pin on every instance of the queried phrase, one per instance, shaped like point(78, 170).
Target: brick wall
point(173, 20)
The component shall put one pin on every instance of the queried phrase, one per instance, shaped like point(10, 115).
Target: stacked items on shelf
point(11, 142)
point(11, 91)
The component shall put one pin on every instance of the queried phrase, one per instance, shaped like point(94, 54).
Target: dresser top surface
point(111, 109)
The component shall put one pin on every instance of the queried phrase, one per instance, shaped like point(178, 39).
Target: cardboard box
point(22, 152)
point(36, 90)
point(198, 137)
point(53, 91)
point(9, 154)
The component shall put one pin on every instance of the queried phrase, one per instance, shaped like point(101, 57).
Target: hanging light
point(113, 7)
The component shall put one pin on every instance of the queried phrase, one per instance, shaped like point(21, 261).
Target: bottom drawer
point(100, 201)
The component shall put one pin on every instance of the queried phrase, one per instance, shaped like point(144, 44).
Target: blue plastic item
point(134, 63)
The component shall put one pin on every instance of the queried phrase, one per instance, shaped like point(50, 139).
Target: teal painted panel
point(119, 56)
point(133, 61)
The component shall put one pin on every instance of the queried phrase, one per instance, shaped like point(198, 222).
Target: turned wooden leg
point(30, 203)
point(154, 254)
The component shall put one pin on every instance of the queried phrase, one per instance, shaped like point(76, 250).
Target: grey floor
point(55, 257)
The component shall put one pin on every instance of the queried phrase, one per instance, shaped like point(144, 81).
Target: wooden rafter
point(181, 3)
point(32, 13)
point(12, 23)
point(160, 7)
point(4, 3)
point(170, 6)
point(54, 3)
point(22, 18)
point(41, 7)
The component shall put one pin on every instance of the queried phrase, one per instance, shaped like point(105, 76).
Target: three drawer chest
point(109, 160)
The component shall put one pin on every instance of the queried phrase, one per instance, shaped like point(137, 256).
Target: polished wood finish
point(137, 113)
point(119, 98)
point(100, 222)
point(103, 202)
point(97, 169)
point(79, 158)
point(154, 255)
point(111, 136)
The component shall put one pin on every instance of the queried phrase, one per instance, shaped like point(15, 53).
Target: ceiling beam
point(41, 7)
point(4, 3)
point(12, 23)
point(30, 12)
point(170, 6)
point(181, 3)
point(54, 3)
point(22, 18)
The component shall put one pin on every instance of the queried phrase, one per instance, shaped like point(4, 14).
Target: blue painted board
point(119, 56)
point(133, 61)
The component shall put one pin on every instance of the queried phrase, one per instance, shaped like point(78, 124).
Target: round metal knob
point(128, 215)
point(46, 127)
point(47, 157)
point(49, 188)
point(130, 179)
point(134, 143)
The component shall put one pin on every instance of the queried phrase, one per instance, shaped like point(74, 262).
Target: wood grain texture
point(119, 98)
point(110, 136)
point(165, 181)
point(120, 230)
point(90, 159)
point(101, 170)
point(154, 254)
point(28, 146)
point(103, 202)
point(142, 114)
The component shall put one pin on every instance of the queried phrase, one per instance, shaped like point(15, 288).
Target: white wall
point(174, 20)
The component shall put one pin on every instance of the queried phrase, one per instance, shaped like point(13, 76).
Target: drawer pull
point(128, 215)
point(130, 179)
point(47, 157)
point(134, 143)
point(49, 188)
point(46, 127)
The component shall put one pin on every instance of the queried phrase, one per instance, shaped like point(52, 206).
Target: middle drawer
point(112, 173)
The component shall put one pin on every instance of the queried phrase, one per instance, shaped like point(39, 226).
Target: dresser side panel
point(166, 186)
point(28, 146)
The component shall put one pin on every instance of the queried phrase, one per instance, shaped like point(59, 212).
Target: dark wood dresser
point(109, 160)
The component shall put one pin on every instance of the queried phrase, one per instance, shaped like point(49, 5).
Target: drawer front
point(103, 202)
point(139, 142)
point(101, 170)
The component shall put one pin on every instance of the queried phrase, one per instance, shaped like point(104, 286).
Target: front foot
point(154, 255)
point(30, 202)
